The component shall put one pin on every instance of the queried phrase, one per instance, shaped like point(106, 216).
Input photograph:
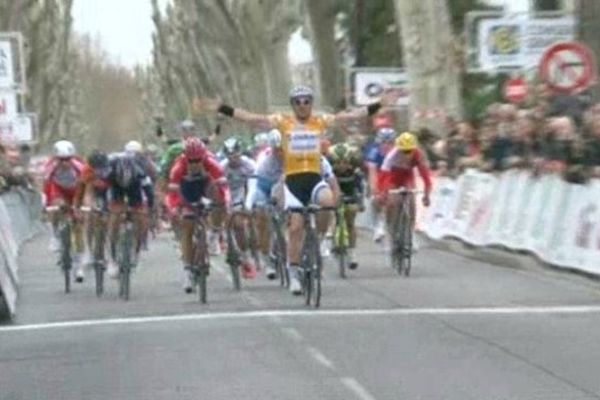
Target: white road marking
point(358, 389)
point(321, 358)
point(482, 311)
point(293, 334)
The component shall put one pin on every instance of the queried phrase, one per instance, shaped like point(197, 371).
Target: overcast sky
point(125, 28)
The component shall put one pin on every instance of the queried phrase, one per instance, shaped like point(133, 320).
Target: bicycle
point(402, 227)
point(201, 260)
point(278, 244)
point(97, 232)
point(127, 250)
point(64, 229)
point(341, 239)
point(233, 257)
point(311, 263)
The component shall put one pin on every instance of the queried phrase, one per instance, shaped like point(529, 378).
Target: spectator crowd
point(15, 167)
point(560, 134)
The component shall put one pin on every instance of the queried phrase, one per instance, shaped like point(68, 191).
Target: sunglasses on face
point(64, 159)
point(302, 102)
point(407, 151)
point(195, 161)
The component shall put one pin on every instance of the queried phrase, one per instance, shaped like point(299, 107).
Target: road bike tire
point(279, 251)
point(233, 259)
point(66, 261)
point(201, 264)
point(341, 243)
point(306, 270)
point(99, 242)
point(407, 249)
point(398, 242)
point(126, 247)
point(316, 273)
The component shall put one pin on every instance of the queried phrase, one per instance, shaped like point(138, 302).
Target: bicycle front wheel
point(125, 259)
point(65, 254)
point(201, 263)
point(99, 241)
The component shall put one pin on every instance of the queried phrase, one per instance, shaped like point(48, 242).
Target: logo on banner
point(504, 40)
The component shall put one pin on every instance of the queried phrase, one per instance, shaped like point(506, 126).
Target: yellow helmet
point(406, 141)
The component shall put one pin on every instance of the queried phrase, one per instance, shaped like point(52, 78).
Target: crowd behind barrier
point(559, 134)
point(20, 210)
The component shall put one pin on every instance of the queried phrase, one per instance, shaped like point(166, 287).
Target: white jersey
point(237, 176)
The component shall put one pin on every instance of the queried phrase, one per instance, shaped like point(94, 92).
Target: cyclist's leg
point(324, 197)
point(217, 220)
point(295, 240)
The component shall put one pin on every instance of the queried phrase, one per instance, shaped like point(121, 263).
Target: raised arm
point(388, 98)
point(216, 105)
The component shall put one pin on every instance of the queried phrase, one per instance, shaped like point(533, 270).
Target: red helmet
point(194, 149)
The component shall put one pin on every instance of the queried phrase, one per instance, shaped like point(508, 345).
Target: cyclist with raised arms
point(301, 134)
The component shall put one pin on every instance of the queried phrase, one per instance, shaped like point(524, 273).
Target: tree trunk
point(430, 59)
point(588, 12)
point(322, 25)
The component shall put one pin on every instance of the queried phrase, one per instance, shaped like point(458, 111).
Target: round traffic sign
point(515, 90)
point(567, 67)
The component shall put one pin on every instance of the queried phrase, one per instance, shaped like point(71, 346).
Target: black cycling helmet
point(98, 159)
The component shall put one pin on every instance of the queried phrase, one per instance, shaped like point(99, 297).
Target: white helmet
point(274, 138)
point(134, 147)
point(261, 139)
point(64, 149)
point(301, 91)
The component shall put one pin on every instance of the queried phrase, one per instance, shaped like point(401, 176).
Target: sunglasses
point(302, 102)
point(194, 161)
point(64, 159)
point(407, 151)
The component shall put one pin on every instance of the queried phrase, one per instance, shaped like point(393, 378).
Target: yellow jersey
point(301, 141)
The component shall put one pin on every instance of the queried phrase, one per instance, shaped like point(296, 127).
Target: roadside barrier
point(556, 221)
point(20, 211)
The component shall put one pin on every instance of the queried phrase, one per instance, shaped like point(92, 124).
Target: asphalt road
point(456, 329)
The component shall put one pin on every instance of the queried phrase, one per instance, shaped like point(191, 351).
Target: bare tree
point(588, 12)
point(430, 56)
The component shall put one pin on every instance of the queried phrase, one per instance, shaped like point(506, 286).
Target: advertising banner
point(8, 104)
point(17, 129)
point(7, 75)
point(515, 43)
point(368, 83)
point(557, 221)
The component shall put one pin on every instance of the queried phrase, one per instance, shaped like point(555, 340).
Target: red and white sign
point(568, 67)
point(515, 90)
